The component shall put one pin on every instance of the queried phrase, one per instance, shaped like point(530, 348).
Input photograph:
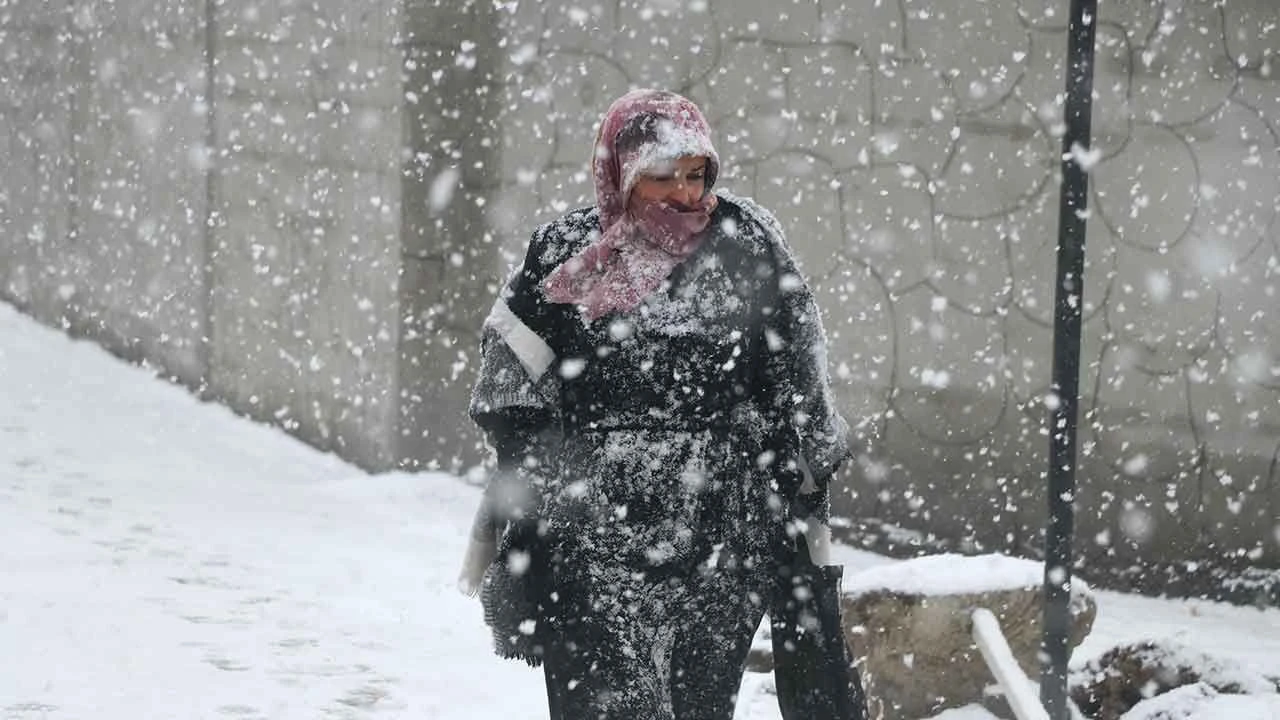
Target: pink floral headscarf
point(637, 251)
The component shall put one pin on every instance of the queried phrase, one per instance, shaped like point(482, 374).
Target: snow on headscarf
point(636, 251)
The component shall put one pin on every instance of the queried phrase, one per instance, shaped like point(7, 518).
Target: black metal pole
point(1065, 389)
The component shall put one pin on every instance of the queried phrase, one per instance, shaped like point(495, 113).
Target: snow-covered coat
point(682, 431)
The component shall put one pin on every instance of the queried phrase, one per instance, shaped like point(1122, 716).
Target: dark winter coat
point(651, 459)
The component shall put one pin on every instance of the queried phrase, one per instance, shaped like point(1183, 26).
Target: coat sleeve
point(515, 401)
point(516, 398)
point(796, 384)
point(518, 386)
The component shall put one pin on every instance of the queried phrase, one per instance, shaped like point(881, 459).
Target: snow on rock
point(951, 574)
point(1200, 701)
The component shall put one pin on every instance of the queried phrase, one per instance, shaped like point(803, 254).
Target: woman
point(654, 382)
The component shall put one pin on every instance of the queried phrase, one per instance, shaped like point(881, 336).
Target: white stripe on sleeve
point(532, 351)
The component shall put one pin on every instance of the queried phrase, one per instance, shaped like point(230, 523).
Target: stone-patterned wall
point(912, 151)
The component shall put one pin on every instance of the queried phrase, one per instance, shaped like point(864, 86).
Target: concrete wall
point(102, 202)
point(452, 91)
point(305, 256)
point(237, 192)
point(312, 232)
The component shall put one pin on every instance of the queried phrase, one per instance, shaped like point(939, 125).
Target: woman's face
point(680, 183)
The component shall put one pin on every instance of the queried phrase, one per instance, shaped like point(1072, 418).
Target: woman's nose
point(686, 193)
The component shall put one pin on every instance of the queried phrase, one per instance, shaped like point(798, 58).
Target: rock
point(1108, 687)
point(909, 627)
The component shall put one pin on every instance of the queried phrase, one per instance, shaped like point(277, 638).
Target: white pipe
point(1018, 690)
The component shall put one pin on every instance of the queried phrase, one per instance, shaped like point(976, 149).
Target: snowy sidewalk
point(163, 558)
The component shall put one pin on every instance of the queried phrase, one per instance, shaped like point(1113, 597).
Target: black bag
point(812, 666)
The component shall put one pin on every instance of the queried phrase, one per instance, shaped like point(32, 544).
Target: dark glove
point(525, 469)
point(515, 594)
point(515, 591)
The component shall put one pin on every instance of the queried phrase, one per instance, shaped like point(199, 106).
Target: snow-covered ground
point(163, 558)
